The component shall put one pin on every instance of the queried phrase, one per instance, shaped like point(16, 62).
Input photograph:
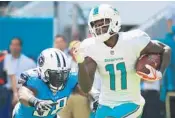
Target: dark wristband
point(33, 101)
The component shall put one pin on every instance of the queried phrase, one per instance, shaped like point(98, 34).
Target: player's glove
point(152, 76)
point(94, 97)
point(40, 105)
point(94, 105)
point(78, 52)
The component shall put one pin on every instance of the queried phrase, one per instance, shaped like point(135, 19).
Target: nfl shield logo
point(41, 60)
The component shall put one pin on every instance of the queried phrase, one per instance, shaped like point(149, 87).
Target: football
point(153, 60)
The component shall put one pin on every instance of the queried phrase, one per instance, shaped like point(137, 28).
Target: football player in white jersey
point(114, 55)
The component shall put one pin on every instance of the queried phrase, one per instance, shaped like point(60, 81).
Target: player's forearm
point(78, 90)
point(84, 78)
point(166, 57)
point(25, 95)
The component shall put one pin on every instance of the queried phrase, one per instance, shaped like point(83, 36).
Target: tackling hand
point(42, 106)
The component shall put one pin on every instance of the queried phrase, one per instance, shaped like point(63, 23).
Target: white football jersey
point(116, 66)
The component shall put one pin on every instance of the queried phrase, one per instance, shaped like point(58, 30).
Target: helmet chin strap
point(104, 37)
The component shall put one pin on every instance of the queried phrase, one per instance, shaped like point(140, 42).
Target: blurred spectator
point(151, 94)
point(3, 78)
point(168, 83)
point(60, 43)
point(3, 7)
point(14, 64)
point(4, 94)
point(73, 63)
point(170, 17)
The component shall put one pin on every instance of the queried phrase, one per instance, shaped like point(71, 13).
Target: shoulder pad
point(25, 76)
point(136, 33)
point(87, 42)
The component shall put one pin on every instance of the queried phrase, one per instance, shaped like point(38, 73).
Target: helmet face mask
point(57, 79)
point(100, 26)
point(104, 22)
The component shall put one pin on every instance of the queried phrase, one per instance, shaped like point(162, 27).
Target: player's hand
point(42, 106)
point(93, 98)
point(94, 106)
point(152, 76)
point(78, 52)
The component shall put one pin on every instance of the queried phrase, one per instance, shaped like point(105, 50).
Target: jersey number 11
point(111, 69)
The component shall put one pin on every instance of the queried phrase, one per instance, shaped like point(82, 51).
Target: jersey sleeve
point(87, 47)
point(26, 75)
point(32, 82)
point(73, 80)
point(141, 40)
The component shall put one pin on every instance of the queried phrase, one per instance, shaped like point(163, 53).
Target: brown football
point(153, 60)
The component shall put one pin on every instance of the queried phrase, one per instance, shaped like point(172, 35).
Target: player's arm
point(78, 90)
point(28, 92)
point(27, 97)
point(86, 74)
point(87, 66)
point(25, 94)
point(160, 48)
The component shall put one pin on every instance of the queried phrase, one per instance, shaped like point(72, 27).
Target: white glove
point(93, 98)
point(78, 52)
point(42, 106)
point(152, 76)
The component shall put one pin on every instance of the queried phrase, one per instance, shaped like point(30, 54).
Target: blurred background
point(38, 22)
point(41, 25)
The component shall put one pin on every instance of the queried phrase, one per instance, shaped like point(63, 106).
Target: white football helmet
point(102, 12)
point(53, 64)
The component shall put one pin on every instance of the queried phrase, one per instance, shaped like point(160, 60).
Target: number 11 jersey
point(116, 65)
